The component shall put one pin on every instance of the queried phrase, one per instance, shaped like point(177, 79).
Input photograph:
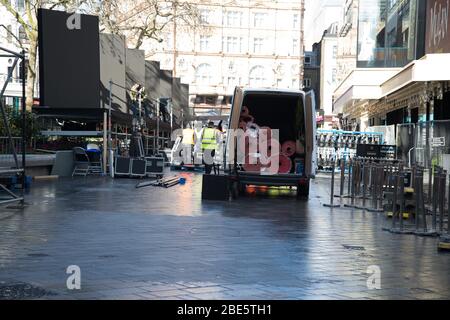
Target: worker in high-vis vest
point(188, 136)
point(209, 146)
point(188, 143)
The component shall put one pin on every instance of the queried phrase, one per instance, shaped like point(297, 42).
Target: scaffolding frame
point(19, 167)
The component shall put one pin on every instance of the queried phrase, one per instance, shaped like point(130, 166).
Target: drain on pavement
point(107, 256)
point(356, 248)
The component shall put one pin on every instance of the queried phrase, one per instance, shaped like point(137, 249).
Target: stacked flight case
point(139, 167)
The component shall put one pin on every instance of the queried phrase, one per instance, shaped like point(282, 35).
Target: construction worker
point(188, 144)
point(188, 136)
point(209, 145)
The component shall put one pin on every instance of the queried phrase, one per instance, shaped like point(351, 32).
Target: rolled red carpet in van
point(288, 148)
point(245, 112)
point(285, 164)
point(252, 164)
point(265, 133)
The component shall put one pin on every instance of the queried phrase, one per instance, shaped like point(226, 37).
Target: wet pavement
point(156, 243)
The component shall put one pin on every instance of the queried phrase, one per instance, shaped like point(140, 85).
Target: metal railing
point(5, 147)
point(426, 144)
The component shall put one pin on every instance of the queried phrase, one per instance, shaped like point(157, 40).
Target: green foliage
point(15, 120)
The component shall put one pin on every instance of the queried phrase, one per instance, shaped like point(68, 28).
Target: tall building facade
point(311, 79)
point(347, 40)
point(328, 74)
point(239, 43)
point(400, 76)
point(390, 33)
point(320, 15)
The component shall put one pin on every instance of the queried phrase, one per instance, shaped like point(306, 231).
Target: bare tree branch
point(12, 34)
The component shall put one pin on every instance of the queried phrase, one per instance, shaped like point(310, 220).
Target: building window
point(205, 99)
point(20, 4)
point(22, 34)
point(234, 18)
point(259, 19)
point(307, 83)
point(226, 100)
point(296, 21)
point(205, 43)
point(232, 44)
point(233, 81)
point(257, 77)
point(294, 84)
point(10, 70)
point(205, 16)
point(203, 74)
point(384, 33)
point(294, 50)
point(307, 61)
point(279, 83)
point(258, 45)
point(9, 33)
point(199, 100)
point(335, 52)
point(334, 75)
point(211, 100)
point(167, 42)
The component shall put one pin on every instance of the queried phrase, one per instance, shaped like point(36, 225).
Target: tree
point(137, 20)
point(140, 20)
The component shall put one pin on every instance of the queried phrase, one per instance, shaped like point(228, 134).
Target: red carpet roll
point(285, 165)
point(288, 148)
point(243, 145)
point(247, 118)
point(247, 144)
point(243, 125)
point(272, 147)
point(252, 130)
point(265, 133)
point(252, 126)
point(245, 112)
point(252, 164)
point(266, 165)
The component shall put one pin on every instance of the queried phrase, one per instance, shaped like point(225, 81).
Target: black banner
point(69, 60)
point(375, 151)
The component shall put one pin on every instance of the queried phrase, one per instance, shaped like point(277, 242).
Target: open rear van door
point(310, 126)
point(235, 116)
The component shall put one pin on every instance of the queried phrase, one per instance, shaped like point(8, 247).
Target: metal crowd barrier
point(379, 185)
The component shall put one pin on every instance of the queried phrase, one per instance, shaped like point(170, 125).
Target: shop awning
point(432, 67)
point(361, 84)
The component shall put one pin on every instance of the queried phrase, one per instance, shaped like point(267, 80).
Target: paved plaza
point(156, 243)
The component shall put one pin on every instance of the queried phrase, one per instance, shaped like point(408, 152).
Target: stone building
point(239, 43)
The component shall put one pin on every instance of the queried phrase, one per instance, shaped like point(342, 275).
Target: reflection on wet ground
point(156, 243)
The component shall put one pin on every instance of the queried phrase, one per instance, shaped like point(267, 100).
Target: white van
point(292, 112)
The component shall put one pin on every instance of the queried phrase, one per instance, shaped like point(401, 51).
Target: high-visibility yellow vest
point(188, 136)
point(209, 139)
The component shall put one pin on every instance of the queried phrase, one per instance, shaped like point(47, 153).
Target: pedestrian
point(209, 145)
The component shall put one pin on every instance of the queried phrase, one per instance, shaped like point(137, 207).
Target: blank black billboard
point(152, 79)
point(69, 61)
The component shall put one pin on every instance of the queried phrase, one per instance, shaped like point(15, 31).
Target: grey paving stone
point(155, 243)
